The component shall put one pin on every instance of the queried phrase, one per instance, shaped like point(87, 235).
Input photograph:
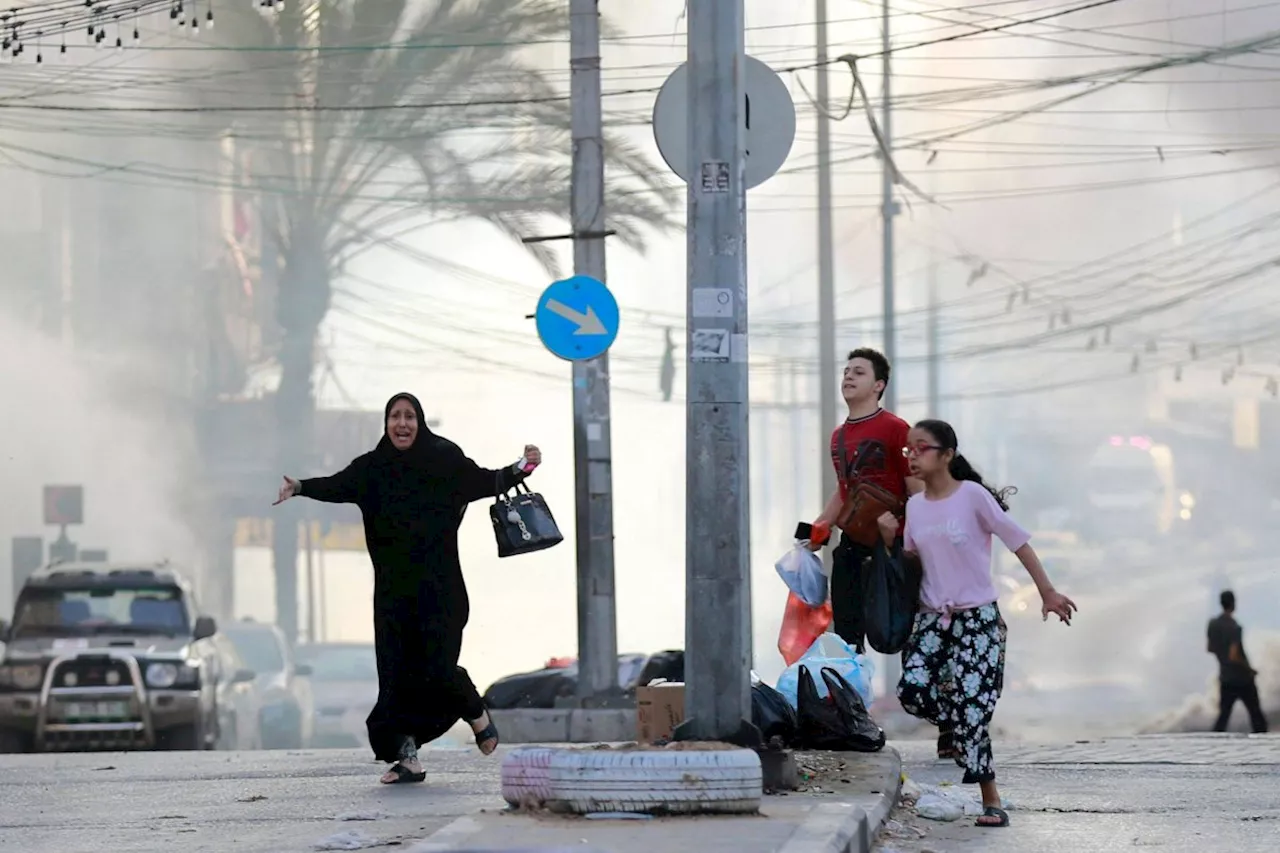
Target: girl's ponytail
point(960, 467)
point(962, 470)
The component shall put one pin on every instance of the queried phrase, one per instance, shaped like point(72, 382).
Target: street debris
point(665, 746)
point(942, 802)
point(252, 798)
point(899, 831)
point(352, 839)
point(361, 815)
point(819, 771)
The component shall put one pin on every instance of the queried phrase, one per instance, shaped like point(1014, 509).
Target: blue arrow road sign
point(577, 318)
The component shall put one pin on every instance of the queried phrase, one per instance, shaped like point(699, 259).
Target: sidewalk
point(843, 816)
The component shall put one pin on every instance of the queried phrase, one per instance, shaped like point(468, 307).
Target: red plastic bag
point(802, 625)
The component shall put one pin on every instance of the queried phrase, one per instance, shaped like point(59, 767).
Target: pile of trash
point(943, 802)
point(820, 701)
point(1199, 712)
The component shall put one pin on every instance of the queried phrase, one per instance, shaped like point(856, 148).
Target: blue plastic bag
point(829, 650)
point(801, 570)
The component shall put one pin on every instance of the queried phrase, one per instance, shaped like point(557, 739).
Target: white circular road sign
point(770, 119)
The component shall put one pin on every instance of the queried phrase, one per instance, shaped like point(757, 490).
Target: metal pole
point(311, 582)
point(888, 211)
point(826, 266)
point(935, 410)
point(592, 451)
point(717, 502)
point(889, 207)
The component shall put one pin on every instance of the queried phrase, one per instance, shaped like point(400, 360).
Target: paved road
point(1181, 794)
point(288, 802)
point(255, 802)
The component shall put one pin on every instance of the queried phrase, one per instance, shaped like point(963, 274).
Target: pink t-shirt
point(953, 538)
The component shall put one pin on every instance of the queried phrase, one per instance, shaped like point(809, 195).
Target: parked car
point(344, 681)
point(286, 718)
point(239, 699)
point(107, 656)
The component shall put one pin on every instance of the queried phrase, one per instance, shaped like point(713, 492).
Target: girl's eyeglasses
point(921, 449)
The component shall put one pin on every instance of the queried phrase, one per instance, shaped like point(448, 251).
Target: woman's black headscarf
point(424, 443)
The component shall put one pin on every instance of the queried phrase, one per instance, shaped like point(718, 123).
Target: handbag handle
point(500, 494)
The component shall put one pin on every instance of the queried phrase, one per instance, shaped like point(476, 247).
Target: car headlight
point(162, 675)
point(26, 676)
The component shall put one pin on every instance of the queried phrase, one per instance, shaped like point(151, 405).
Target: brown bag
point(860, 515)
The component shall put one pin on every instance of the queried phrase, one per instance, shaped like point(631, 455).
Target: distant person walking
point(413, 489)
point(1236, 678)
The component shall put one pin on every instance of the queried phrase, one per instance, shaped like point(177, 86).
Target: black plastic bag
point(840, 722)
point(890, 598)
point(538, 689)
point(773, 715)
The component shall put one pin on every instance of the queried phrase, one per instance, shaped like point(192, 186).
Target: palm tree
point(344, 92)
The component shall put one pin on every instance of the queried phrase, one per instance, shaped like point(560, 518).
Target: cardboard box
point(659, 709)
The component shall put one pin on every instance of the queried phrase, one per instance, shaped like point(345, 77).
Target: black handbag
point(890, 597)
point(522, 522)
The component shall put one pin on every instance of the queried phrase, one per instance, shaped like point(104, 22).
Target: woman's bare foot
point(993, 815)
point(481, 727)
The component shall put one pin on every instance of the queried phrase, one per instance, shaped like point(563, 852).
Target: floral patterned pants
point(952, 675)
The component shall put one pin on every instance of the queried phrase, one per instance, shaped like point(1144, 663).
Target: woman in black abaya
point(412, 490)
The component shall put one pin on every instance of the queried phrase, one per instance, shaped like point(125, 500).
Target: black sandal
point(992, 811)
point(488, 733)
point(404, 774)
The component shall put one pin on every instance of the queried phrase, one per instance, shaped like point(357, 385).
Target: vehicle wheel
point(13, 743)
point(655, 781)
point(181, 739)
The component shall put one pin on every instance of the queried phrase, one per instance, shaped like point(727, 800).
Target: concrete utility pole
point(889, 209)
point(592, 450)
point(888, 206)
point(717, 502)
point(826, 269)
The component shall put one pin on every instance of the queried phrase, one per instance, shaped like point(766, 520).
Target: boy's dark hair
point(879, 364)
point(1228, 599)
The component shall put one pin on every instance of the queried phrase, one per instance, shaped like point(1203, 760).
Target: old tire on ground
point(526, 779)
point(722, 781)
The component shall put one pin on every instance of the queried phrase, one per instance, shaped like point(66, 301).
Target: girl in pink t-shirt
point(953, 666)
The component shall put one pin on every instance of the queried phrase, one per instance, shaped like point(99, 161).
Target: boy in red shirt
point(867, 447)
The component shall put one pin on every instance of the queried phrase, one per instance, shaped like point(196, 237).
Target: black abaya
point(413, 502)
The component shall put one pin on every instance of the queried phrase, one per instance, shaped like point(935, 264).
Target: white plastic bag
point(829, 651)
point(801, 570)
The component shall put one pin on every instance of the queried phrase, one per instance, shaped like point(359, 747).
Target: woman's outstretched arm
point(475, 482)
point(345, 487)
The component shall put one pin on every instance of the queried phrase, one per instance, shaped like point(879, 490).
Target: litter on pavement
point(944, 802)
point(352, 839)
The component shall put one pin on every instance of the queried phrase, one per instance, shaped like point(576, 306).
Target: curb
point(850, 826)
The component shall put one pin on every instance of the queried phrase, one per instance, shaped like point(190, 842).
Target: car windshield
point(83, 612)
point(340, 663)
point(259, 649)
